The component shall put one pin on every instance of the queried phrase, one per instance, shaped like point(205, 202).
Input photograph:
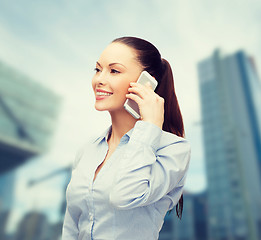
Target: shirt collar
point(105, 134)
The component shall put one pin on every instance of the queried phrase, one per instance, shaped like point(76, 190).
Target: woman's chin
point(98, 108)
point(101, 107)
point(111, 110)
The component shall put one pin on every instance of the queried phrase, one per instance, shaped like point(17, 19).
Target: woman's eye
point(114, 71)
point(97, 70)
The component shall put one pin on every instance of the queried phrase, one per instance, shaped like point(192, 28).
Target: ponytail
point(173, 121)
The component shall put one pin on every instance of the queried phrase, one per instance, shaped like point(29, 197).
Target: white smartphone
point(130, 105)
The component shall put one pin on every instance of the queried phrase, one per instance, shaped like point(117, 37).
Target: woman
point(124, 182)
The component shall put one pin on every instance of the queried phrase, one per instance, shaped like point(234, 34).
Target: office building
point(192, 225)
point(34, 226)
point(28, 115)
point(230, 91)
point(7, 182)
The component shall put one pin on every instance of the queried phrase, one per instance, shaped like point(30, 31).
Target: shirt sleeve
point(150, 170)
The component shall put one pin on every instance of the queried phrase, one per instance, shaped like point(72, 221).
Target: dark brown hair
point(149, 57)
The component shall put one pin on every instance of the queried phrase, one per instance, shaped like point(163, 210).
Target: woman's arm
point(149, 171)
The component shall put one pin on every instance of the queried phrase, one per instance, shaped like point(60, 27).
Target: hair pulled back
point(150, 59)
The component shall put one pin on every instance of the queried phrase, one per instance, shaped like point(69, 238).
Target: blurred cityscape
point(28, 114)
point(229, 209)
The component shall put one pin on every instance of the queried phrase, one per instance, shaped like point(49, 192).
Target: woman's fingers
point(146, 86)
point(151, 105)
point(135, 98)
point(140, 89)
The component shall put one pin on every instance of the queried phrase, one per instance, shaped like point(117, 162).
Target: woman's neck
point(122, 122)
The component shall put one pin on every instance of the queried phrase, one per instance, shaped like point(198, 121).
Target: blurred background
point(48, 51)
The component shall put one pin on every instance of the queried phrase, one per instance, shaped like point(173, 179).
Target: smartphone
point(130, 105)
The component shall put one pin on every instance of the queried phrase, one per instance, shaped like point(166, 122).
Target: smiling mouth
point(103, 94)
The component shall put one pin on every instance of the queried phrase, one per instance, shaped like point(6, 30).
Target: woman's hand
point(151, 105)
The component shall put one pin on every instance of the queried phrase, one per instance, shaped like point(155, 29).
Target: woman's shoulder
point(168, 138)
point(177, 147)
point(80, 153)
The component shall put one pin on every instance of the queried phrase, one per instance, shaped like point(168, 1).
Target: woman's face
point(115, 69)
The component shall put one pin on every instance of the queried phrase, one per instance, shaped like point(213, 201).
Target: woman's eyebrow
point(111, 64)
point(98, 64)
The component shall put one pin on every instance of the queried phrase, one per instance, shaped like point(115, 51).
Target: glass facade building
point(230, 91)
point(192, 225)
point(28, 113)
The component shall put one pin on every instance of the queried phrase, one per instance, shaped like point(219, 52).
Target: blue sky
point(58, 42)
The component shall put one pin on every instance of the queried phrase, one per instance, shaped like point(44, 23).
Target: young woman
point(126, 180)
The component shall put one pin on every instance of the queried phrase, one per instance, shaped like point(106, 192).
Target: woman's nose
point(101, 79)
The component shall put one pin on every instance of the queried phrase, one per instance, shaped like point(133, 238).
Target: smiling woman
point(124, 181)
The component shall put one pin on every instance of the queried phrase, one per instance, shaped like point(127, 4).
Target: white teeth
point(103, 94)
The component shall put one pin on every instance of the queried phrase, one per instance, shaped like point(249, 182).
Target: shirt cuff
point(146, 133)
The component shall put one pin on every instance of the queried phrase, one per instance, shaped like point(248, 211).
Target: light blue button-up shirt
point(138, 184)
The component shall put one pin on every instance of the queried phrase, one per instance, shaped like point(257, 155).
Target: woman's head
point(121, 63)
